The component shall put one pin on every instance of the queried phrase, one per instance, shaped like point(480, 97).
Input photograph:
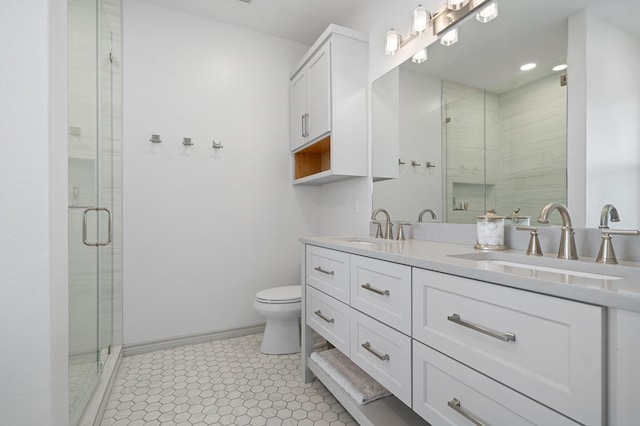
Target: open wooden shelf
point(315, 158)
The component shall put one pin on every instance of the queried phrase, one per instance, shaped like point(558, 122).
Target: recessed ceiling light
point(527, 67)
point(560, 67)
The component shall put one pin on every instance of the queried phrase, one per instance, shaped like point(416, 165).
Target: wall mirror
point(496, 135)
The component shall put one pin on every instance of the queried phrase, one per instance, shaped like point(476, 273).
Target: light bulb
point(420, 20)
point(449, 38)
point(420, 56)
point(456, 4)
point(392, 42)
point(487, 14)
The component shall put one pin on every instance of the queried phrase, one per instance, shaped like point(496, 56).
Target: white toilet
point(281, 306)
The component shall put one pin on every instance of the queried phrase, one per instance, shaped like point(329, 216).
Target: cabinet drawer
point(444, 389)
point(548, 348)
point(382, 290)
point(384, 353)
point(329, 317)
point(328, 271)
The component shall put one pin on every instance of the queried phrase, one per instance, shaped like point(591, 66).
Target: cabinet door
point(319, 103)
point(298, 93)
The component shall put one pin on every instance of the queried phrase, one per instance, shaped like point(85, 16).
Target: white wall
point(33, 298)
point(613, 121)
point(420, 133)
point(205, 229)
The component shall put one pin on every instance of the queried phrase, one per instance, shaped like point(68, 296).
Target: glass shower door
point(94, 188)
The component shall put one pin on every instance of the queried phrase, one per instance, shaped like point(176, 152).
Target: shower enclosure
point(95, 194)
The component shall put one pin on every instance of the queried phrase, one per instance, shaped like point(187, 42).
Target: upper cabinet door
point(298, 93)
point(319, 101)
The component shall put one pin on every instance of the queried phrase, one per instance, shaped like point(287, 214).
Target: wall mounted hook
point(428, 164)
point(187, 142)
point(400, 162)
point(155, 139)
point(415, 163)
point(217, 145)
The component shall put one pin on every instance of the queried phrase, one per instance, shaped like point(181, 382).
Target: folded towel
point(362, 387)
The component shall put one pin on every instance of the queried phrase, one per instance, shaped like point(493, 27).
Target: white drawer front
point(330, 318)
point(387, 356)
point(328, 271)
point(556, 357)
point(382, 290)
point(445, 391)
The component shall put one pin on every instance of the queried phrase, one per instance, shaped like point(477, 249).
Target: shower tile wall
point(533, 147)
point(522, 149)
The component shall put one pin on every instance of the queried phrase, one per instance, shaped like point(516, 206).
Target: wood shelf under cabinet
point(316, 158)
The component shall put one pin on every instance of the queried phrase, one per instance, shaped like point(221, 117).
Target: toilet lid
point(284, 294)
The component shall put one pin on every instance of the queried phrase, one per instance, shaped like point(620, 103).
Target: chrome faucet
point(388, 233)
point(567, 248)
point(434, 216)
point(608, 210)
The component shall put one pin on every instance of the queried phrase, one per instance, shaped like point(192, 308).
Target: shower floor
point(225, 382)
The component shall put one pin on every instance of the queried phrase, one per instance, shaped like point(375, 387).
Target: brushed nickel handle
point(367, 286)
point(319, 269)
point(384, 357)
point(109, 227)
point(306, 125)
point(505, 337)
point(319, 313)
point(302, 126)
point(455, 405)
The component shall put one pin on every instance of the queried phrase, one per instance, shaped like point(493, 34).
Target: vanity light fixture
point(456, 11)
point(420, 21)
point(528, 67)
point(420, 56)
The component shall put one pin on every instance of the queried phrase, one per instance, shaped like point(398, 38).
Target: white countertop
point(613, 286)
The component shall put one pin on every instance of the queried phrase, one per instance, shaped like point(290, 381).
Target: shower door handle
point(109, 228)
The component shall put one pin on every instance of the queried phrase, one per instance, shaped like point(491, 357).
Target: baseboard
point(158, 345)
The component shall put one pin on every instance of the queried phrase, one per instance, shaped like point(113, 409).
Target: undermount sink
point(505, 262)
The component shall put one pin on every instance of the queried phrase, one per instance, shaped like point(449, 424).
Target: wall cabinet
point(311, 99)
point(453, 349)
point(328, 107)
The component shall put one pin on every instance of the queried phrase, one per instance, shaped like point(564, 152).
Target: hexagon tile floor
point(225, 382)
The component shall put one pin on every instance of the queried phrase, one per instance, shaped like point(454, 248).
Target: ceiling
point(487, 55)
point(297, 20)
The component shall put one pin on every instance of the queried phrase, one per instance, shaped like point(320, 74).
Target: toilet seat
point(280, 295)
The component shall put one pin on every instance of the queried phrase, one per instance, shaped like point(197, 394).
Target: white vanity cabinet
point(328, 109)
point(456, 350)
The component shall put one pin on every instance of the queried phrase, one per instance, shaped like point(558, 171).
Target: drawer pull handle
point(384, 357)
point(319, 269)
point(367, 286)
point(319, 313)
point(505, 337)
point(455, 404)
